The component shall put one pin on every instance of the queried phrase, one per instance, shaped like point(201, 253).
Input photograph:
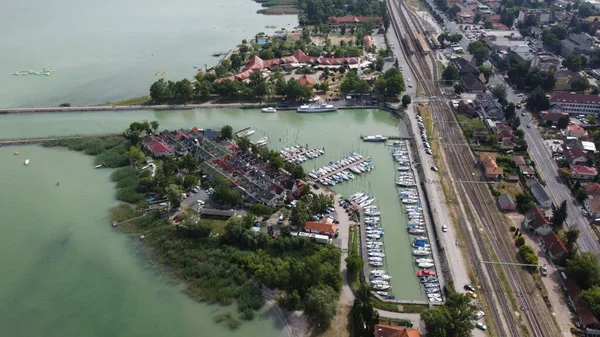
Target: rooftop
point(321, 227)
point(537, 217)
point(584, 170)
point(553, 244)
point(395, 331)
point(565, 97)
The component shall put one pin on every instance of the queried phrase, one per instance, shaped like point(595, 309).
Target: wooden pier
point(345, 168)
point(299, 153)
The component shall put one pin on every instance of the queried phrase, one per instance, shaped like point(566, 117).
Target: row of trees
point(456, 317)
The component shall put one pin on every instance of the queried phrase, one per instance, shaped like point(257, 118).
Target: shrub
point(112, 158)
point(124, 173)
point(512, 228)
point(520, 241)
point(129, 195)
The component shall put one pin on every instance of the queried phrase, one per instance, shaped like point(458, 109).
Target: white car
point(444, 228)
point(480, 314)
point(408, 79)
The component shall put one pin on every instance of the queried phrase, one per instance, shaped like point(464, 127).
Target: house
point(338, 22)
point(527, 171)
point(536, 221)
point(584, 317)
point(473, 83)
point(467, 109)
point(519, 161)
point(507, 144)
point(554, 247)
point(583, 172)
point(499, 26)
point(490, 107)
point(592, 205)
point(321, 228)
point(492, 170)
point(465, 17)
point(575, 130)
point(522, 53)
point(307, 80)
point(506, 202)
point(581, 43)
point(542, 197)
point(564, 78)
point(382, 330)
point(159, 149)
point(553, 115)
point(546, 61)
point(542, 16)
point(480, 133)
point(464, 66)
point(469, 74)
point(592, 189)
point(577, 104)
point(575, 156)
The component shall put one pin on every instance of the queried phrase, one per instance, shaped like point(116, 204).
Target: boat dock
point(299, 153)
point(344, 168)
point(389, 137)
point(242, 132)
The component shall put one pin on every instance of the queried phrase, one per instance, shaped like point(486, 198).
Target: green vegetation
point(584, 269)
point(455, 318)
point(479, 51)
point(110, 151)
point(390, 84)
point(143, 100)
point(528, 254)
point(591, 298)
point(316, 12)
point(559, 214)
point(364, 316)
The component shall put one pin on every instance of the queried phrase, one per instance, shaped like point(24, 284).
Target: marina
point(342, 170)
point(299, 154)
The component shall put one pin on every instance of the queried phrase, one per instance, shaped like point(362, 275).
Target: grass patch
point(387, 306)
point(217, 226)
point(110, 151)
point(143, 100)
point(414, 308)
point(511, 189)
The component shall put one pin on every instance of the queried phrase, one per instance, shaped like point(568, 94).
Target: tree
point(343, 30)
point(559, 214)
point(450, 73)
point(227, 132)
point(406, 100)
point(584, 269)
point(509, 111)
point(394, 82)
point(459, 88)
point(184, 91)
point(320, 305)
point(479, 51)
point(354, 265)
point(525, 202)
point(455, 318)
point(299, 216)
point(486, 71)
point(379, 62)
point(257, 85)
point(189, 181)
point(581, 194)
point(563, 123)
point(174, 195)
point(136, 154)
point(520, 241)
point(236, 61)
point(580, 84)
point(571, 237)
point(189, 162)
point(529, 256)
point(591, 298)
point(159, 91)
point(574, 62)
point(500, 92)
point(154, 125)
point(538, 100)
point(244, 143)
point(260, 209)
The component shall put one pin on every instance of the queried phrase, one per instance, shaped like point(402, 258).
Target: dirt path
point(295, 323)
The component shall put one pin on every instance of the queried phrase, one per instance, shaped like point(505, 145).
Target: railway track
point(487, 218)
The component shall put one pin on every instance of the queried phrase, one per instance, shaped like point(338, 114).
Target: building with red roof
point(321, 228)
point(575, 130)
point(554, 114)
point(536, 221)
point(592, 188)
point(583, 172)
point(382, 330)
point(575, 156)
point(578, 104)
point(159, 149)
point(553, 246)
point(307, 80)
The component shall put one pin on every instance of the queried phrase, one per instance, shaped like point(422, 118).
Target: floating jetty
point(339, 171)
point(43, 72)
point(245, 132)
point(299, 153)
point(160, 73)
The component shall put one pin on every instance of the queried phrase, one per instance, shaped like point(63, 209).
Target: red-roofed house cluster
point(295, 60)
point(339, 21)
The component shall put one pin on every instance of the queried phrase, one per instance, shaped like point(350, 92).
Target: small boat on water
point(383, 287)
point(375, 139)
point(432, 290)
point(269, 109)
point(316, 108)
point(425, 265)
point(376, 263)
point(16, 153)
point(26, 161)
point(382, 293)
point(98, 166)
point(423, 260)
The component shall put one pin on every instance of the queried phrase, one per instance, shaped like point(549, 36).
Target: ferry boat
point(269, 109)
point(316, 108)
point(376, 138)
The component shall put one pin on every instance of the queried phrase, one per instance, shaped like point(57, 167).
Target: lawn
point(511, 189)
point(468, 124)
point(218, 226)
point(143, 100)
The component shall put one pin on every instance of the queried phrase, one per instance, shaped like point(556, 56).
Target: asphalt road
point(548, 169)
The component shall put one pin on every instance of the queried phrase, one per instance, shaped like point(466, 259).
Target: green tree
point(574, 62)
point(354, 265)
point(394, 82)
point(584, 269)
point(406, 100)
point(563, 123)
point(343, 30)
point(227, 132)
point(154, 125)
point(189, 162)
point(450, 74)
point(174, 195)
point(244, 143)
point(509, 111)
point(189, 181)
point(260, 210)
point(479, 51)
point(559, 214)
point(520, 241)
point(459, 88)
point(538, 100)
point(500, 92)
point(159, 91)
point(581, 194)
point(591, 298)
point(524, 201)
point(486, 71)
point(580, 84)
point(455, 318)
point(258, 85)
point(184, 91)
point(379, 62)
point(320, 305)
point(571, 237)
point(236, 61)
point(136, 154)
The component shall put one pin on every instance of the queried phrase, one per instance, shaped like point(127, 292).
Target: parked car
point(584, 212)
point(471, 294)
point(444, 228)
point(544, 270)
point(480, 314)
point(434, 168)
point(481, 326)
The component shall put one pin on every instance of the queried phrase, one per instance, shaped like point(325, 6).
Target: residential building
point(554, 247)
point(464, 66)
point(541, 195)
point(321, 228)
point(546, 61)
point(583, 317)
point(519, 160)
point(592, 205)
point(564, 78)
point(588, 147)
point(536, 221)
point(465, 16)
point(483, 10)
point(522, 53)
point(490, 107)
point(488, 161)
point(563, 16)
point(502, 40)
point(492, 18)
point(577, 104)
point(159, 149)
point(469, 74)
point(575, 130)
point(506, 202)
point(507, 144)
point(503, 131)
point(307, 80)
point(499, 26)
point(527, 171)
point(583, 172)
point(581, 43)
point(467, 109)
point(575, 156)
point(542, 16)
point(592, 189)
point(473, 83)
point(553, 115)
point(348, 21)
point(382, 330)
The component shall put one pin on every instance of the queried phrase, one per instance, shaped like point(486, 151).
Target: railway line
point(479, 215)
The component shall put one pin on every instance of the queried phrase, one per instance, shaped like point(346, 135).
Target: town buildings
point(582, 44)
point(541, 195)
point(382, 330)
point(491, 168)
point(469, 75)
point(506, 203)
point(577, 104)
point(553, 115)
point(350, 21)
point(542, 16)
point(536, 221)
